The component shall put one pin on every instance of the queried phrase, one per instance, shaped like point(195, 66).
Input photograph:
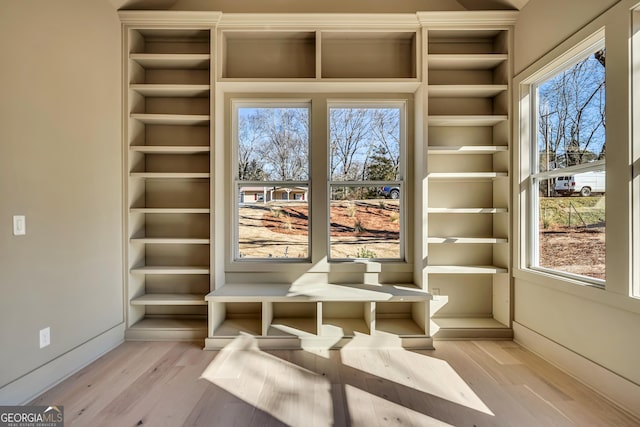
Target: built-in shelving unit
point(468, 190)
point(323, 55)
point(168, 82)
point(328, 315)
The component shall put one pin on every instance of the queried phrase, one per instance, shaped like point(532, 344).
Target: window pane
point(273, 144)
point(572, 231)
point(365, 144)
point(364, 223)
point(273, 222)
point(571, 132)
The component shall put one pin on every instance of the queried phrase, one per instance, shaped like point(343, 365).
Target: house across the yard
point(269, 194)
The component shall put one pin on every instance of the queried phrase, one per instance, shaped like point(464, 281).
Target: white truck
point(585, 183)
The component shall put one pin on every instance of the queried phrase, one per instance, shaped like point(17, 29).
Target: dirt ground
point(359, 229)
point(574, 250)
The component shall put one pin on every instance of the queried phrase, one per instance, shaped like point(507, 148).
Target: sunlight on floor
point(386, 386)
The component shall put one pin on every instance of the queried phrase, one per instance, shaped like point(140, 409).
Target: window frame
point(318, 185)
point(400, 181)
point(236, 104)
point(530, 162)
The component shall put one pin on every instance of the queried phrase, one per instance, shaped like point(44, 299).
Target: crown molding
point(319, 20)
point(168, 17)
point(466, 18)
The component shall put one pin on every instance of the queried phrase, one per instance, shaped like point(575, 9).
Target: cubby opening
point(293, 319)
point(172, 163)
point(245, 317)
point(173, 194)
point(268, 54)
point(378, 55)
point(169, 41)
point(400, 318)
point(346, 319)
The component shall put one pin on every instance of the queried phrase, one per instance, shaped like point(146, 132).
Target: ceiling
point(361, 4)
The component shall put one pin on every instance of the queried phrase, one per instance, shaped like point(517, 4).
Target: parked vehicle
point(390, 192)
point(585, 184)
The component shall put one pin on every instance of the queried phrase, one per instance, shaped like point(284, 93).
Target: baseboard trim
point(608, 384)
point(28, 387)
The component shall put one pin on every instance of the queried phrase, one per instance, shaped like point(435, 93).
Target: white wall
point(593, 325)
point(60, 165)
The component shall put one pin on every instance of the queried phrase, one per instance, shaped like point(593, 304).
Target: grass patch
point(560, 212)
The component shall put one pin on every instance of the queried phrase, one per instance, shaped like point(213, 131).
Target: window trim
point(318, 263)
point(529, 162)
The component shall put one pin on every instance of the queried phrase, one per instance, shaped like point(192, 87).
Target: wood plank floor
point(461, 383)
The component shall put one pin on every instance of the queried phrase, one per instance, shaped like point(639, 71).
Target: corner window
point(567, 186)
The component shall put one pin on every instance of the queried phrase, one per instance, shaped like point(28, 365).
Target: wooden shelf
point(172, 61)
point(471, 328)
point(466, 91)
point(467, 149)
point(170, 210)
point(466, 210)
point(169, 241)
point(467, 175)
point(398, 326)
point(167, 329)
point(465, 269)
point(171, 90)
point(169, 175)
point(171, 119)
point(480, 61)
point(236, 326)
point(343, 327)
point(169, 149)
point(466, 120)
point(464, 240)
point(170, 270)
point(326, 292)
point(169, 299)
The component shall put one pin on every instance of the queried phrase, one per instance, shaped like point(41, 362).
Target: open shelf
point(170, 149)
point(466, 210)
point(172, 61)
point(169, 241)
point(368, 55)
point(467, 175)
point(171, 90)
point(167, 329)
point(469, 61)
point(169, 299)
point(466, 240)
point(268, 54)
point(466, 120)
point(171, 119)
point(170, 210)
point(466, 269)
point(170, 270)
point(466, 91)
point(467, 149)
point(169, 175)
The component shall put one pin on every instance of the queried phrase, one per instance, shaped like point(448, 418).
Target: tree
point(273, 144)
point(571, 114)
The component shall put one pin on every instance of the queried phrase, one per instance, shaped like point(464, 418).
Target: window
point(568, 168)
point(365, 181)
point(272, 177)
point(362, 185)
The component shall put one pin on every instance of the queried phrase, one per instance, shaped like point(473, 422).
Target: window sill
point(579, 289)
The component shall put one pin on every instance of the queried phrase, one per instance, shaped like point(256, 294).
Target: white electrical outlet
point(19, 225)
point(45, 337)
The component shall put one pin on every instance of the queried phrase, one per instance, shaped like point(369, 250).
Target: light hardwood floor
point(461, 383)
